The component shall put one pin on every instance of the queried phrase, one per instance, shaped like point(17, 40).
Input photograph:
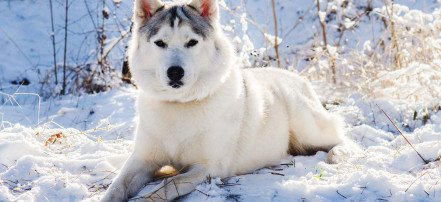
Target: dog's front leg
point(177, 186)
point(135, 173)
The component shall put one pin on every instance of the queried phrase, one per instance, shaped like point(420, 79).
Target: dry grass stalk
point(397, 56)
point(276, 43)
point(63, 90)
point(325, 40)
point(401, 133)
point(53, 43)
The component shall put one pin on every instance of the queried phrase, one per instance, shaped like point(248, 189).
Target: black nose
point(175, 73)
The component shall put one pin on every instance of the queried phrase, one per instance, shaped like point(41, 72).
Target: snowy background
point(377, 55)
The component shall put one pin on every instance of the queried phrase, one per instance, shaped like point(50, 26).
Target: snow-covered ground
point(70, 148)
point(48, 162)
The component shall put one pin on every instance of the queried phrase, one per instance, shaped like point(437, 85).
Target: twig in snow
point(12, 100)
point(63, 90)
point(228, 185)
point(53, 43)
point(364, 188)
point(325, 40)
point(116, 43)
point(341, 195)
point(397, 56)
point(274, 173)
point(425, 161)
point(202, 192)
point(102, 38)
point(414, 182)
point(276, 43)
point(106, 177)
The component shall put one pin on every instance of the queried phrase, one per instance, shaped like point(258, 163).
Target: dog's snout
point(175, 73)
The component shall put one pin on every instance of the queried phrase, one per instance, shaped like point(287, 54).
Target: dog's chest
point(186, 132)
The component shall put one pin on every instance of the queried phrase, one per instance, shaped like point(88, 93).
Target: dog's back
point(282, 115)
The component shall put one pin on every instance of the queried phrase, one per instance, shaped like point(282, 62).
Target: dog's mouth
point(176, 84)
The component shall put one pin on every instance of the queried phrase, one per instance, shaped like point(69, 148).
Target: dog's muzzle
point(175, 74)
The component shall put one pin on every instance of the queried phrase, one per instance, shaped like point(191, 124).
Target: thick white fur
point(224, 121)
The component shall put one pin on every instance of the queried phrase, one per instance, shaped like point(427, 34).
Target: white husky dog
point(203, 115)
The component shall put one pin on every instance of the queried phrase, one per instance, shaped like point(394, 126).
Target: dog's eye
point(161, 44)
point(191, 43)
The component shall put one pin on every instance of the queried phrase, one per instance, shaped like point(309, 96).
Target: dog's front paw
point(339, 154)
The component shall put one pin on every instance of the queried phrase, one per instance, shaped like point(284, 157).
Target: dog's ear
point(207, 8)
point(145, 9)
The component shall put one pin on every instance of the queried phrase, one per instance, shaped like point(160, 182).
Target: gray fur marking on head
point(184, 14)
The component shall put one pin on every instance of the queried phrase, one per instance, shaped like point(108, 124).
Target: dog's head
point(178, 51)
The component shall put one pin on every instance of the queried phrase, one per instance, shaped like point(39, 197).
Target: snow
point(272, 39)
point(70, 148)
point(84, 160)
point(322, 16)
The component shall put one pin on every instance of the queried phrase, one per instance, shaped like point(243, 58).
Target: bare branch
point(276, 44)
